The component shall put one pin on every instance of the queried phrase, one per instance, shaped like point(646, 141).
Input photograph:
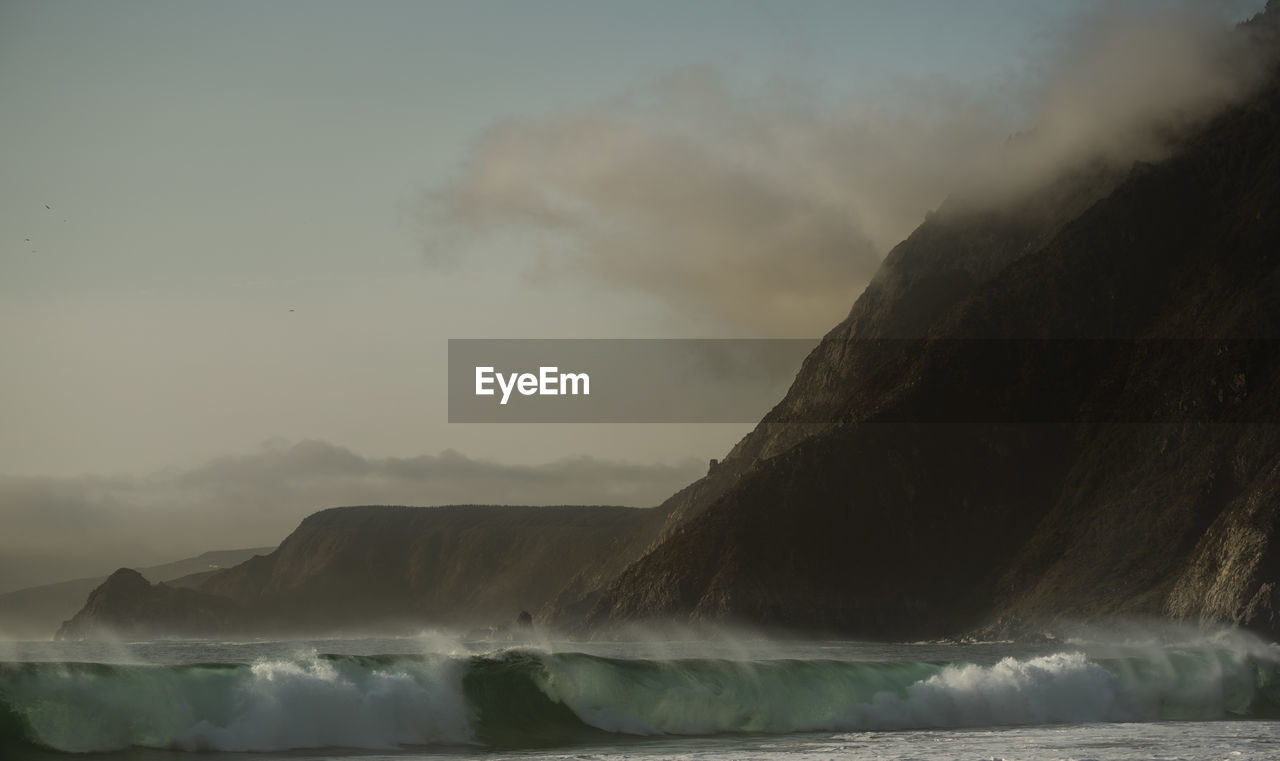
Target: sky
point(234, 230)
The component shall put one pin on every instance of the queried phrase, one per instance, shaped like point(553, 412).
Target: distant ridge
point(36, 612)
point(379, 568)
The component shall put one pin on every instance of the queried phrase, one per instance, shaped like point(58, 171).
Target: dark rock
point(1146, 484)
point(127, 605)
point(360, 568)
point(36, 612)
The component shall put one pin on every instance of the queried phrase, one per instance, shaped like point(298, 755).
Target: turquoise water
point(436, 696)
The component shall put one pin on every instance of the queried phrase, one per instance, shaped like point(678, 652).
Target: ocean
point(1123, 696)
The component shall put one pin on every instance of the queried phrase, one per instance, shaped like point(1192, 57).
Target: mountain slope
point(1072, 478)
point(467, 564)
point(36, 612)
point(380, 568)
point(127, 605)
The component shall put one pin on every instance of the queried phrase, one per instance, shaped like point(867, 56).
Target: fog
point(769, 209)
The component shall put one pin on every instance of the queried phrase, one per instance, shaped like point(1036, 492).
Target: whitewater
point(1188, 697)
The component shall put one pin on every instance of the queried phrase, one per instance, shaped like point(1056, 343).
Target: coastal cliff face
point(940, 265)
point(1115, 453)
point(378, 568)
point(370, 566)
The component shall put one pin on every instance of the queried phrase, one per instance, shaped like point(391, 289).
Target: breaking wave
point(527, 698)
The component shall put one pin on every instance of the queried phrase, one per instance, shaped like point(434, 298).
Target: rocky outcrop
point(1233, 574)
point(36, 612)
point(127, 605)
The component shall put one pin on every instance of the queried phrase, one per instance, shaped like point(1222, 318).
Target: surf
point(526, 697)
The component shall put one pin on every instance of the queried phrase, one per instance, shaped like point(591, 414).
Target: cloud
point(1124, 85)
point(718, 205)
point(60, 528)
point(769, 211)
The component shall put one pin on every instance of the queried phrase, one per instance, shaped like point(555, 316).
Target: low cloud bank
point(768, 212)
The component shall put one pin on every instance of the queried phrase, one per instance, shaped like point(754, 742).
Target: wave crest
point(526, 698)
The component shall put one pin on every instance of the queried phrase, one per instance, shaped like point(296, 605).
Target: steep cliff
point(365, 567)
point(1075, 431)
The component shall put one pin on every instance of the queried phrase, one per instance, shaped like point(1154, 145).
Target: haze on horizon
point(237, 235)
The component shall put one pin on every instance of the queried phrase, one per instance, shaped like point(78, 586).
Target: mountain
point(36, 612)
point(1065, 410)
point(1062, 408)
point(378, 567)
point(127, 605)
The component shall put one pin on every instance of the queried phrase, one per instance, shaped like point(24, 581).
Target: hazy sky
point(228, 223)
point(210, 166)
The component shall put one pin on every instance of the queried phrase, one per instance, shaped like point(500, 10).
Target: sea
point(1116, 695)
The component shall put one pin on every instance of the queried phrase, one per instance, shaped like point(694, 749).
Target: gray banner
point(619, 380)
point(877, 380)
